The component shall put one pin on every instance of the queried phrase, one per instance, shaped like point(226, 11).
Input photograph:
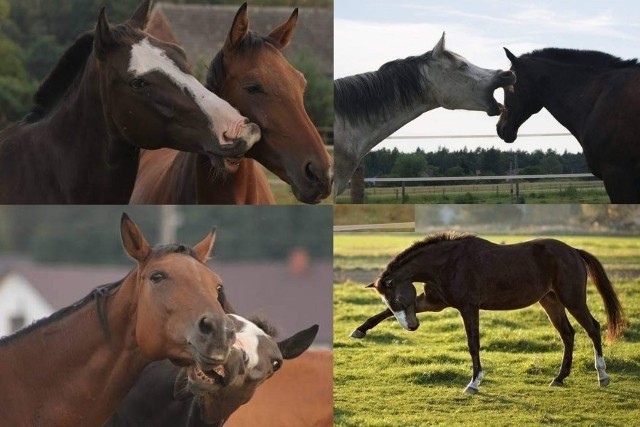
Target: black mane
point(371, 96)
point(414, 249)
point(250, 43)
point(581, 57)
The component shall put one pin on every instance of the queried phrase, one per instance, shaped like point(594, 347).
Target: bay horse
point(115, 90)
point(592, 94)
point(470, 274)
point(74, 367)
point(251, 73)
point(167, 395)
point(371, 106)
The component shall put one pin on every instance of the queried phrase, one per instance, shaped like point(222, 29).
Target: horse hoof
point(470, 390)
point(358, 334)
point(604, 382)
point(555, 383)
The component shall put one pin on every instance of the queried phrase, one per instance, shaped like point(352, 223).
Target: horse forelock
point(266, 325)
point(414, 250)
point(591, 58)
point(373, 96)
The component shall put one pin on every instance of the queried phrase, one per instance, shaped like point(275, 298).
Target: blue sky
point(370, 33)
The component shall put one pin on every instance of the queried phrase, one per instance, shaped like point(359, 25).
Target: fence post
point(403, 200)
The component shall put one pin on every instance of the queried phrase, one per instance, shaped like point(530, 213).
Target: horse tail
point(616, 322)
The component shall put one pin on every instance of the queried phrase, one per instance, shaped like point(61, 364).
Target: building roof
point(202, 29)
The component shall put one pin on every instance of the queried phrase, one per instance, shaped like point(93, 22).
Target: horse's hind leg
point(558, 317)
point(591, 325)
point(471, 319)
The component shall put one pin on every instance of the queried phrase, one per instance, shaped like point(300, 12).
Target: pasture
point(394, 377)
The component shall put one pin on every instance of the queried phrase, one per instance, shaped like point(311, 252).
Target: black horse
point(471, 274)
point(593, 95)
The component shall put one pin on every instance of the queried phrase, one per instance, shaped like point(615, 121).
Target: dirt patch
point(360, 275)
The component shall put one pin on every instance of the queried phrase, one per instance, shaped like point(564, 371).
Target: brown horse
point(166, 395)
point(471, 274)
point(75, 367)
point(114, 91)
point(300, 395)
point(251, 73)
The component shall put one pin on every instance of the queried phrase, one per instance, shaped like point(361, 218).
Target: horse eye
point(464, 65)
point(157, 277)
point(138, 84)
point(254, 88)
point(276, 365)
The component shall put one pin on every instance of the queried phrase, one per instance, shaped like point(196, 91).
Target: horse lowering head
point(252, 73)
point(460, 84)
point(178, 315)
point(152, 100)
point(520, 104)
point(262, 357)
point(399, 295)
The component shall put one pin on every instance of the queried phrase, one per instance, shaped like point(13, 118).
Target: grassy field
point(569, 191)
point(283, 194)
point(394, 377)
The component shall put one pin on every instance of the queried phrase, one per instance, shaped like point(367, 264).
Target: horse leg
point(471, 320)
point(370, 323)
point(558, 317)
point(591, 325)
point(620, 187)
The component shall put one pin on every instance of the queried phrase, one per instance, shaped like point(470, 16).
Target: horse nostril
point(310, 174)
point(206, 325)
point(246, 121)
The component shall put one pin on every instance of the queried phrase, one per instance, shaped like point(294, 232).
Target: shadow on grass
point(521, 346)
point(443, 376)
point(412, 360)
point(362, 300)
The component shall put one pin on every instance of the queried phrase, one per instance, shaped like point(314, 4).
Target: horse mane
point(99, 295)
point(591, 58)
point(250, 43)
point(266, 325)
point(413, 250)
point(371, 96)
point(58, 83)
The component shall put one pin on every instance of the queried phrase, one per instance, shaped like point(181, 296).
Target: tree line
point(465, 162)
point(35, 33)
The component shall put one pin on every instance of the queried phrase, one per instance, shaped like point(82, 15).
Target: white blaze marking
point(401, 316)
point(247, 339)
point(146, 58)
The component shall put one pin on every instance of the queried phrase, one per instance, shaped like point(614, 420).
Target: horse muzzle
point(505, 80)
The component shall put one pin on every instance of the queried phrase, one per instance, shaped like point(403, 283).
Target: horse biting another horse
point(371, 106)
point(472, 274)
point(76, 366)
point(250, 72)
point(114, 91)
point(166, 395)
point(593, 95)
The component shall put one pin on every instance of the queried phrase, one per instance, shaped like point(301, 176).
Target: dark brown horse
point(76, 366)
point(252, 74)
point(114, 91)
point(166, 395)
point(593, 95)
point(471, 274)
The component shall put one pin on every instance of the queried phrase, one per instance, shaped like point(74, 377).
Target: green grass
point(393, 377)
point(283, 194)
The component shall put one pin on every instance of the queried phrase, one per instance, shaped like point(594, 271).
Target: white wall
point(18, 297)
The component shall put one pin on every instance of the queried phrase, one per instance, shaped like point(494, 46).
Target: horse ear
point(104, 38)
point(239, 28)
point(297, 344)
point(140, 17)
point(132, 239)
point(284, 32)
point(510, 55)
point(370, 285)
point(438, 49)
point(203, 249)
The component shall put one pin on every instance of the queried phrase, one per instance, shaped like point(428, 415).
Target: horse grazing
point(166, 395)
point(371, 106)
point(251, 73)
point(592, 95)
point(74, 367)
point(115, 90)
point(471, 274)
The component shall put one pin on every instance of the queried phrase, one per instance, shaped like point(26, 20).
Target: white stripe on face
point(223, 118)
point(247, 338)
point(401, 316)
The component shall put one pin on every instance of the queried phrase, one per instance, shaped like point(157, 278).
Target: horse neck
point(67, 372)
point(247, 186)
point(426, 265)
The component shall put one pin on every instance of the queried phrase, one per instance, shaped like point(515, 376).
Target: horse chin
point(205, 381)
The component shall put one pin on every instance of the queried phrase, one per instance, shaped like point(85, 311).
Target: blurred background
point(275, 262)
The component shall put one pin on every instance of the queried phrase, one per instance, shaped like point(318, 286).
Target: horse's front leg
point(370, 323)
point(471, 319)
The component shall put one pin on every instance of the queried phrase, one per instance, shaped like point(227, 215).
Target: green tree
point(408, 166)
point(318, 97)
